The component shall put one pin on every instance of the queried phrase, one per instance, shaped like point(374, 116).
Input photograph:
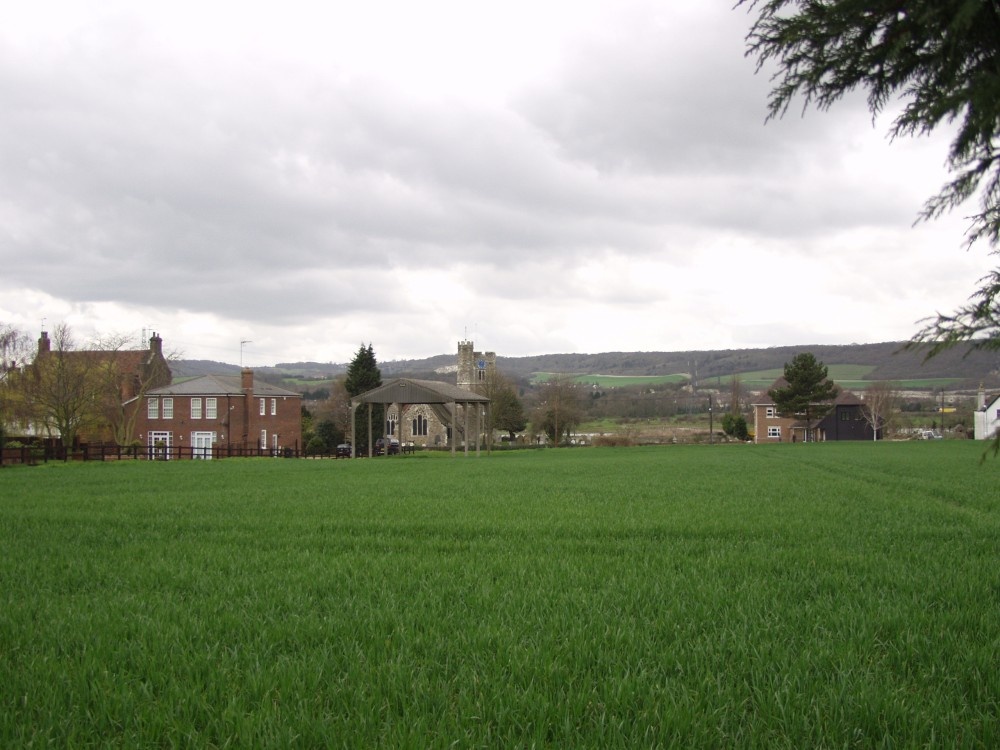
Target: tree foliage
point(507, 412)
point(363, 374)
point(558, 409)
point(337, 406)
point(15, 348)
point(62, 391)
point(806, 391)
point(735, 425)
point(941, 60)
point(881, 399)
point(113, 381)
point(330, 434)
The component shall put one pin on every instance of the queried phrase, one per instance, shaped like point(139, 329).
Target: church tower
point(473, 366)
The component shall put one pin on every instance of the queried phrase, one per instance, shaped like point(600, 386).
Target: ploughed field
point(738, 595)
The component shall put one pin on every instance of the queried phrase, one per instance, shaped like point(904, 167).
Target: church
point(426, 425)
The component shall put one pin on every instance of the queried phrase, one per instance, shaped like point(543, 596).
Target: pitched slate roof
point(410, 391)
point(219, 385)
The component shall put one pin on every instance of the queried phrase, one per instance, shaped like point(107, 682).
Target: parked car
point(380, 446)
point(930, 435)
point(344, 451)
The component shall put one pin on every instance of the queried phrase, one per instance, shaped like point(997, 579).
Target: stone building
point(426, 425)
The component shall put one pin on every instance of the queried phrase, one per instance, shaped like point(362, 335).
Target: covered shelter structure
point(443, 398)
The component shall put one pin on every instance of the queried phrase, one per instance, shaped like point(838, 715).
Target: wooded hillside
point(889, 362)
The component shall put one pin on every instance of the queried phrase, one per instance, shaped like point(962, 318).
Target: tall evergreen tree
point(363, 375)
point(807, 390)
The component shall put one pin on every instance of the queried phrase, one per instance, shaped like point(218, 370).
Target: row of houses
point(849, 419)
point(218, 413)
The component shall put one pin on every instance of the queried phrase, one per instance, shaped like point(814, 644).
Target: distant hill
point(888, 361)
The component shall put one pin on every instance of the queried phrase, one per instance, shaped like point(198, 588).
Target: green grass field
point(831, 595)
point(851, 377)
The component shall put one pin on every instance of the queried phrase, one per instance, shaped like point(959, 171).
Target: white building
point(986, 416)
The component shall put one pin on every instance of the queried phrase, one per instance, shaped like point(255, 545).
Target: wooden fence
point(31, 455)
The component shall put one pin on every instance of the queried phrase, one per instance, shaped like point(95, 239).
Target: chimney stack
point(246, 381)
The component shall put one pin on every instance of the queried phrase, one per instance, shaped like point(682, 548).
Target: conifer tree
point(807, 390)
point(363, 375)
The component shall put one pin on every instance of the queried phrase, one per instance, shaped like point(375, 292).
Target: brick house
point(846, 420)
point(115, 376)
point(770, 427)
point(219, 415)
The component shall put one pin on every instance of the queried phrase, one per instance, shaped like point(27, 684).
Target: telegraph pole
point(711, 422)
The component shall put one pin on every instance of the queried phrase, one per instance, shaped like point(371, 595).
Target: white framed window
point(770, 412)
point(153, 408)
point(774, 432)
point(195, 408)
point(262, 405)
point(168, 408)
point(274, 406)
point(263, 438)
point(390, 425)
point(274, 441)
point(211, 410)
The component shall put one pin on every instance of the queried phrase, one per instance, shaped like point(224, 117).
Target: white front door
point(201, 444)
point(159, 445)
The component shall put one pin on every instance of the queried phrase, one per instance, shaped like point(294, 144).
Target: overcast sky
point(539, 176)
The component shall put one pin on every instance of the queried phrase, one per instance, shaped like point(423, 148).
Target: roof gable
point(219, 385)
point(411, 391)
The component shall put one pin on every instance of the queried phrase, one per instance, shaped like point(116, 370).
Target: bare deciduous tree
point(15, 353)
point(336, 408)
point(61, 390)
point(558, 409)
point(881, 399)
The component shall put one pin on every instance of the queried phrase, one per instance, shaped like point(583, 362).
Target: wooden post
point(354, 431)
point(369, 429)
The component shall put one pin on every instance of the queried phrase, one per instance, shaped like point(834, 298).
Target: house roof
point(410, 391)
point(846, 398)
point(843, 397)
point(764, 398)
point(219, 385)
point(129, 360)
